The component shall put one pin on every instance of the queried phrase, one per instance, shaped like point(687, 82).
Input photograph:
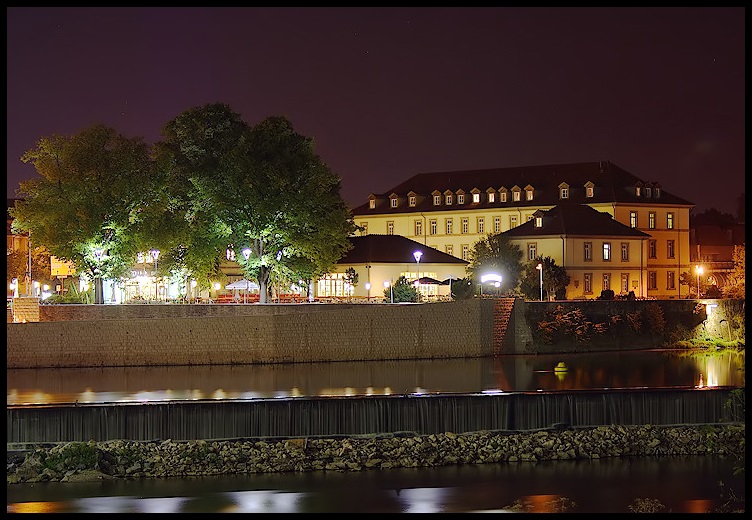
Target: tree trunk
point(263, 281)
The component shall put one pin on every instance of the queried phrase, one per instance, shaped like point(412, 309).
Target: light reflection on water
point(643, 369)
point(680, 484)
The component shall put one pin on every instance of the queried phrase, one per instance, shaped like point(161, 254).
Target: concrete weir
point(365, 415)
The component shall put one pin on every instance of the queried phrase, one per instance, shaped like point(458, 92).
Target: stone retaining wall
point(162, 459)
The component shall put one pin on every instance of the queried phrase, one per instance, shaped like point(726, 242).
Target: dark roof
point(611, 184)
point(574, 220)
point(393, 249)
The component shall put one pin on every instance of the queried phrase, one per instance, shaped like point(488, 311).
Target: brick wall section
point(25, 310)
point(299, 333)
point(502, 314)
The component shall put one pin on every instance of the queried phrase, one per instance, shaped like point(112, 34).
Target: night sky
point(391, 92)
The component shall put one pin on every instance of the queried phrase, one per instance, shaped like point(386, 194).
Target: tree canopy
point(84, 206)
point(496, 254)
point(555, 278)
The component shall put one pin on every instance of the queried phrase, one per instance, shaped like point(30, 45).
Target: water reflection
point(680, 484)
point(644, 369)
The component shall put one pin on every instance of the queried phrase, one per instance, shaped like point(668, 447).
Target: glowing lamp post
point(246, 255)
point(417, 255)
point(698, 269)
point(492, 277)
point(539, 267)
point(155, 256)
point(368, 288)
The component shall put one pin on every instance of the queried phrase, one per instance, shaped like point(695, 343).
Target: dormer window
point(436, 198)
point(563, 190)
point(411, 200)
point(638, 189)
point(529, 192)
point(491, 195)
point(538, 221)
point(647, 192)
point(460, 198)
point(372, 204)
point(393, 202)
point(448, 198)
point(516, 191)
point(657, 192)
point(503, 195)
point(476, 198)
point(589, 190)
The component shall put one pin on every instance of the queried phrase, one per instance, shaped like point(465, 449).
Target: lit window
point(465, 226)
point(497, 224)
point(625, 251)
point(390, 228)
point(437, 200)
point(412, 201)
point(449, 224)
point(491, 197)
point(670, 221)
point(372, 203)
point(476, 198)
point(529, 194)
point(393, 202)
point(516, 196)
point(461, 198)
point(606, 251)
point(637, 191)
point(538, 221)
point(433, 227)
point(588, 252)
point(651, 220)
point(633, 219)
point(564, 193)
point(481, 225)
point(589, 192)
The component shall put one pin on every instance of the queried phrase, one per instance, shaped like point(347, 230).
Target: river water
point(679, 484)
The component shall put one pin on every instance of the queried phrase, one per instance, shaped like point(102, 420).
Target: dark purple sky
point(390, 92)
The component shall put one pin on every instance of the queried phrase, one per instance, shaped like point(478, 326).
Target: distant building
point(450, 211)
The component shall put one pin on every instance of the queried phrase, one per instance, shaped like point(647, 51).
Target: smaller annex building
point(598, 252)
point(379, 261)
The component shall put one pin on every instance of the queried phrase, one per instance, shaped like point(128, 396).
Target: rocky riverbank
point(73, 462)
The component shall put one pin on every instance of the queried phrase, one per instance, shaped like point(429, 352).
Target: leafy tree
point(183, 217)
point(351, 277)
point(462, 289)
point(555, 278)
point(495, 253)
point(279, 199)
point(18, 261)
point(735, 286)
point(83, 206)
point(403, 291)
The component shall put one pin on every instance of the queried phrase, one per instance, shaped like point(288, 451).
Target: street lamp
point(699, 270)
point(539, 267)
point(246, 255)
point(155, 255)
point(417, 255)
